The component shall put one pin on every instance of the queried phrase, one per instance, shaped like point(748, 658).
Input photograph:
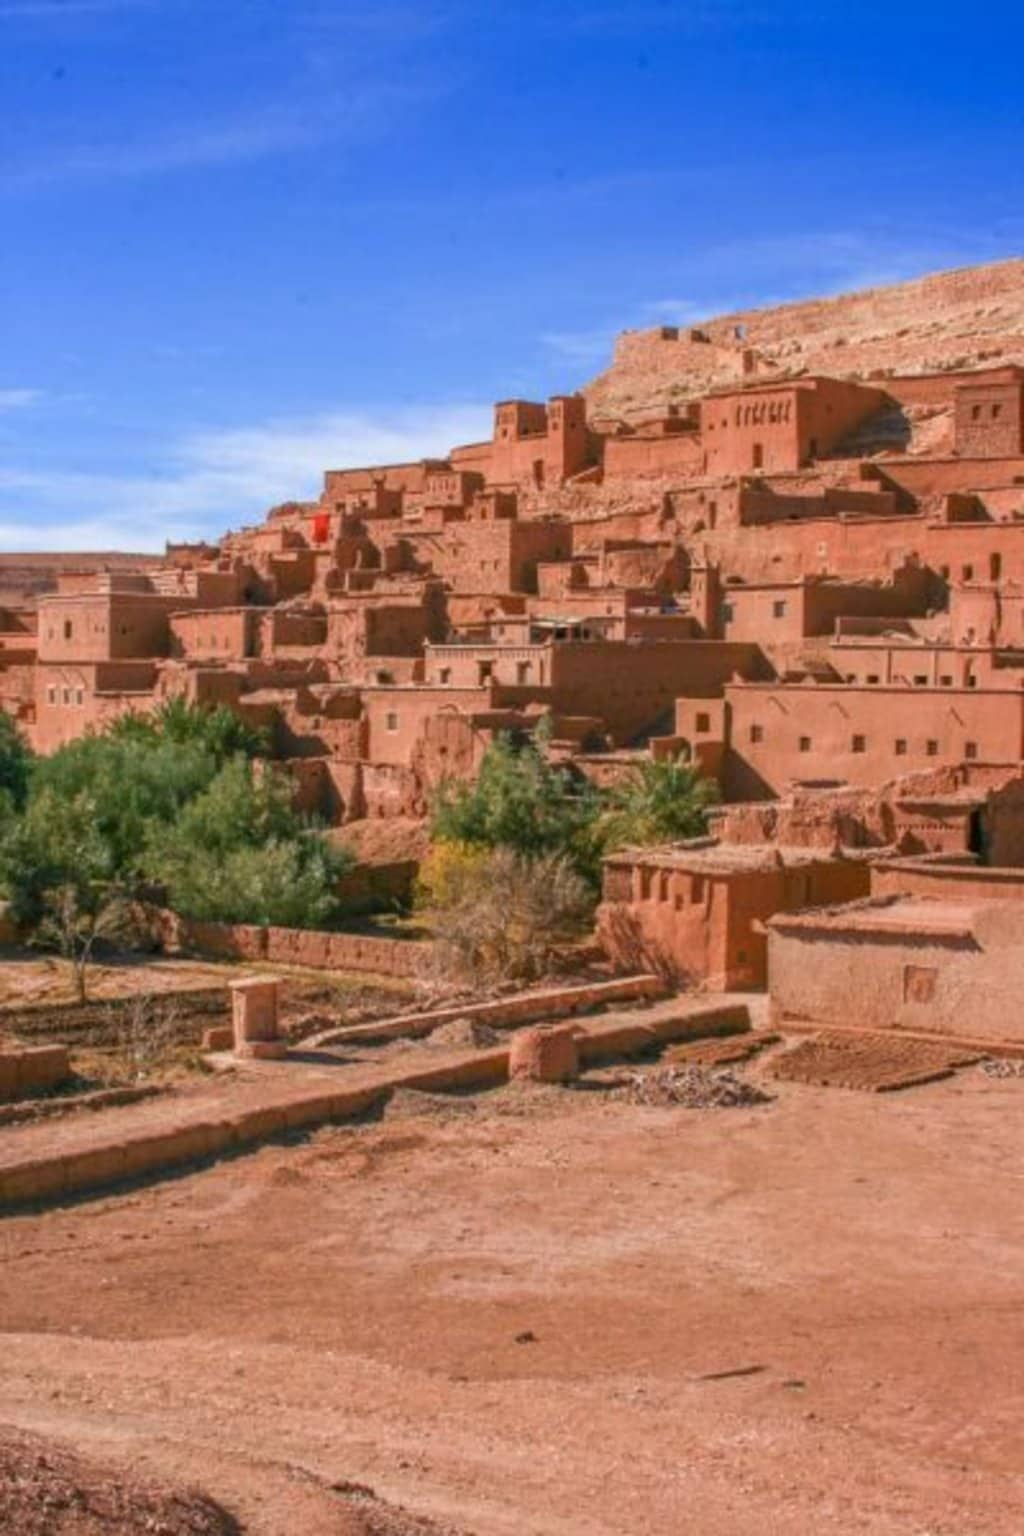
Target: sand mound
point(466, 1032)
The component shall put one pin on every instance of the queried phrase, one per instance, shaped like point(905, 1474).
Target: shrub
point(444, 872)
point(520, 801)
point(508, 915)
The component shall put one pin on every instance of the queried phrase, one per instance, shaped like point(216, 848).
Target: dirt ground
point(554, 1311)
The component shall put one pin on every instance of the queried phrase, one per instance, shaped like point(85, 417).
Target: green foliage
point(280, 883)
point(15, 762)
point(171, 797)
point(239, 852)
point(661, 801)
point(131, 785)
point(54, 845)
point(218, 731)
point(519, 801)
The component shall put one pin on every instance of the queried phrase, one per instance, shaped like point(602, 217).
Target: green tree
point(15, 762)
point(661, 801)
point(239, 852)
point(217, 730)
point(520, 801)
point(61, 880)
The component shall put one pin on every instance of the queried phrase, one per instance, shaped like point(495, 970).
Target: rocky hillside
point(967, 318)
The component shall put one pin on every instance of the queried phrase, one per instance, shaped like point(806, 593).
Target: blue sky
point(243, 240)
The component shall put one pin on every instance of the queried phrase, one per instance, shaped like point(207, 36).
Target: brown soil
point(578, 1318)
point(48, 1490)
point(876, 1063)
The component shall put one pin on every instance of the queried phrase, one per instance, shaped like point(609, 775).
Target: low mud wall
point(28, 1069)
point(522, 1008)
point(314, 949)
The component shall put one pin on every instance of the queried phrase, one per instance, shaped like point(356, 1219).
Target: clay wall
point(640, 454)
point(499, 557)
point(782, 426)
point(340, 484)
point(946, 879)
point(701, 924)
point(215, 634)
point(918, 969)
point(633, 687)
point(396, 717)
point(988, 419)
point(779, 734)
point(104, 627)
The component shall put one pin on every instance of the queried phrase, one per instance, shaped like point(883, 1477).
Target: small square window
point(391, 721)
point(970, 749)
point(805, 743)
point(931, 748)
point(702, 723)
point(872, 677)
point(859, 744)
point(920, 680)
point(757, 733)
point(946, 680)
point(779, 609)
point(900, 746)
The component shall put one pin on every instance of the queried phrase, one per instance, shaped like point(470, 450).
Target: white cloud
point(581, 347)
point(215, 479)
point(17, 399)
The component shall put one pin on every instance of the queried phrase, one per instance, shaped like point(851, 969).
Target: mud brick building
point(788, 543)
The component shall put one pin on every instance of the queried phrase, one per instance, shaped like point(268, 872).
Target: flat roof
point(887, 917)
point(707, 857)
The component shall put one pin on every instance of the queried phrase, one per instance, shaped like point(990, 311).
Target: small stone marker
point(254, 1017)
point(546, 1054)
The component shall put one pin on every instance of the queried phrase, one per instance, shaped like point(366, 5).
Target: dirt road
point(552, 1312)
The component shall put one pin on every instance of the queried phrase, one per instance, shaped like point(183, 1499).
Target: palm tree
point(662, 801)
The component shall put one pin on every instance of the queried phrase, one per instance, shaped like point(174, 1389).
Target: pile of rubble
point(1002, 1066)
point(693, 1087)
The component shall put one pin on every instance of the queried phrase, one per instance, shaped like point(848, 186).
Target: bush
point(508, 914)
point(444, 872)
point(239, 853)
point(519, 801)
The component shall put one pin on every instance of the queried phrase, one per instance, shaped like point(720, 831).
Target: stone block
point(254, 1012)
point(545, 1054)
point(220, 1037)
